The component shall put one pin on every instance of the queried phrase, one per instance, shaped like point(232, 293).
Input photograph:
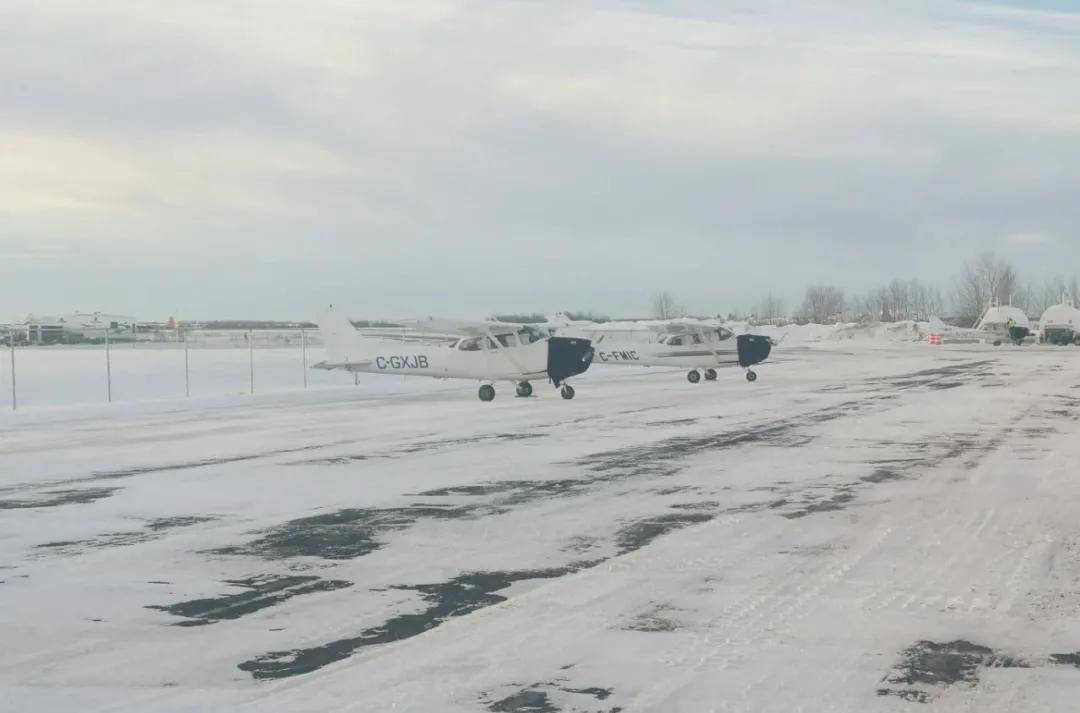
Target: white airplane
point(486, 351)
point(702, 346)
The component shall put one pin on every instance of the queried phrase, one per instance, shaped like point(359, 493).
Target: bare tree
point(823, 303)
point(987, 278)
point(665, 307)
point(770, 307)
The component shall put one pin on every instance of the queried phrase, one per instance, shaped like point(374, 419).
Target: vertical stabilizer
point(343, 343)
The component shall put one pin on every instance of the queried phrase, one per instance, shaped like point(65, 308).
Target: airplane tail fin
point(343, 343)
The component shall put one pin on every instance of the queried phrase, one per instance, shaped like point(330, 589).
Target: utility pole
point(303, 352)
point(187, 373)
point(14, 402)
point(251, 361)
point(108, 368)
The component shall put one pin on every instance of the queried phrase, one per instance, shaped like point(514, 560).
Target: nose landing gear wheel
point(487, 392)
point(751, 375)
point(694, 376)
point(524, 389)
point(567, 391)
point(710, 375)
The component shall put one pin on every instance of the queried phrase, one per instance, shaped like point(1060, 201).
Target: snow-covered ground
point(869, 527)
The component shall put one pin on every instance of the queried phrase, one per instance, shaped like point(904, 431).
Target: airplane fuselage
point(448, 362)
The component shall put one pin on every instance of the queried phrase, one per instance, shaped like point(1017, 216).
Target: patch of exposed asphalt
point(529, 700)
point(456, 597)
point(702, 505)
point(259, 593)
point(345, 534)
point(837, 501)
point(675, 489)
point(153, 529)
point(640, 533)
point(535, 698)
point(1066, 659)
point(929, 666)
point(56, 498)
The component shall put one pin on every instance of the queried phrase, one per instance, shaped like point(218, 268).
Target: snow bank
point(882, 332)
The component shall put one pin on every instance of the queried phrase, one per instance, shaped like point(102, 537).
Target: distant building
point(80, 327)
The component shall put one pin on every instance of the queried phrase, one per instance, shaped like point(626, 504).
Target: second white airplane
point(702, 346)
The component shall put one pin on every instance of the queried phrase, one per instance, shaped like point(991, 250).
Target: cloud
point(548, 155)
point(1030, 238)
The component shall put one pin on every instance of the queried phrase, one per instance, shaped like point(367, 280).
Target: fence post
point(303, 352)
point(187, 373)
point(251, 361)
point(108, 368)
point(14, 402)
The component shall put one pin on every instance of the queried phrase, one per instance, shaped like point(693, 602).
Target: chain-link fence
point(183, 363)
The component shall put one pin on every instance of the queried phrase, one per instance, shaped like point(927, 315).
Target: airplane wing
point(462, 327)
point(328, 366)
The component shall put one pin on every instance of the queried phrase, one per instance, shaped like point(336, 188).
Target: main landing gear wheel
point(524, 389)
point(487, 392)
point(751, 375)
point(567, 391)
point(694, 376)
point(710, 375)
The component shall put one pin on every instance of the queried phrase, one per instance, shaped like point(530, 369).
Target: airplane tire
point(567, 391)
point(710, 375)
point(487, 392)
point(524, 389)
point(694, 376)
point(751, 376)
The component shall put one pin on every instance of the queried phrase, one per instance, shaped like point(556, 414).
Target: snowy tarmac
point(867, 528)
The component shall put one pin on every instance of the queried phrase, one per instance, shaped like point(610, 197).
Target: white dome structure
point(999, 317)
point(1060, 324)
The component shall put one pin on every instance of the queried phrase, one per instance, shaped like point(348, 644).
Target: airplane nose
point(753, 349)
point(567, 356)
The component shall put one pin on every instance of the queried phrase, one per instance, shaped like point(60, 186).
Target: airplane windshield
point(528, 335)
point(722, 333)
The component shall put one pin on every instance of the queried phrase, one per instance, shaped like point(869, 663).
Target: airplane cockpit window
point(507, 340)
point(723, 334)
point(469, 344)
point(675, 341)
point(528, 335)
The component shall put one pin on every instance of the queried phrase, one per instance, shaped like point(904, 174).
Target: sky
point(259, 160)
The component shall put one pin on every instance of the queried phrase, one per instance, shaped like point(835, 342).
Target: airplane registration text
point(629, 355)
point(416, 361)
